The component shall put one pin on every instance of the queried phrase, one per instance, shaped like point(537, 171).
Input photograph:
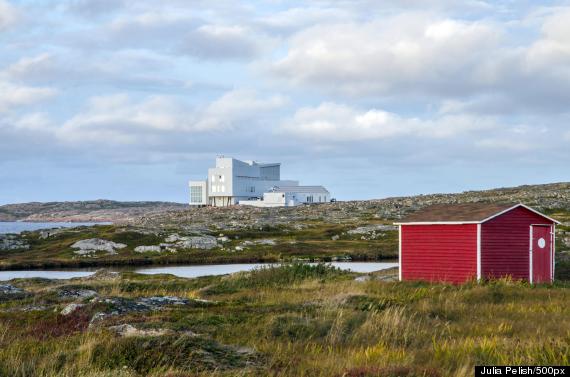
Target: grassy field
point(295, 320)
point(314, 241)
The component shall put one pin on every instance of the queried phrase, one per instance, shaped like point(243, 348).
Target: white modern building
point(233, 181)
point(289, 196)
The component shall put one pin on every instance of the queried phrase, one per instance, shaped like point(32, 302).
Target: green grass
point(312, 242)
point(300, 321)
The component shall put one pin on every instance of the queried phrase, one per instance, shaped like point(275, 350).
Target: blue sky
point(128, 100)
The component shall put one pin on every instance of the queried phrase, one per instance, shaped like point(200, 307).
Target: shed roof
point(463, 213)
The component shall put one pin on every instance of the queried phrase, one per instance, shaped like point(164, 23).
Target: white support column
point(553, 251)
point(479, 271)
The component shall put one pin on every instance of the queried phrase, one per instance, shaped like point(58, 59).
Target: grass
point(313, 242)
point(295, 320)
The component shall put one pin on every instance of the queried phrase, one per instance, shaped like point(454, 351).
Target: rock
point(12, 242)
point(93, 245)
point(70, 308)
point(76, 293)
point(102, 274)
point(8, 289)
point(175, 241)
point(335, 237)
point(47, 233)
point(148, 249)
point(130, 330)
point(372, 228)
point(198, 242)
point(223, 239)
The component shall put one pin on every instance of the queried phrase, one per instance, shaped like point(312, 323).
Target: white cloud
point(330, 122)
point(236, 106)
point(29, 66)
point(8, 15)
point(119, 119)
point(14, 95)
point(409, 52)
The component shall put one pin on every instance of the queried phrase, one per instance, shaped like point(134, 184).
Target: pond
point(190, 271)
point(23, 226)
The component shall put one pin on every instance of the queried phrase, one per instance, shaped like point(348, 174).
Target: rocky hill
point(550, 198)
point(84, 211)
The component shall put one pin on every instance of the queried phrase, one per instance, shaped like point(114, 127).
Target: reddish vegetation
point(61, 325)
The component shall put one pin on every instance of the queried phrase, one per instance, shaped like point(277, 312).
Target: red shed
point(459, 242)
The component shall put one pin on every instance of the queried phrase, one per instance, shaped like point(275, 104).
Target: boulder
point(130, 330)
point(8, 289)
point(148, 249)
point(70, 308)
point(93, 245)
point(76, 293)
point(12, 242)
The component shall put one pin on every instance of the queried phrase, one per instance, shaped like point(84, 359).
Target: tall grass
point(300, 321)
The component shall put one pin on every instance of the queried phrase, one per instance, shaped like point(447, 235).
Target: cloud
point(119, 119)
point(221, 42)
point(14, 95)
point(8, 15)
point(406, 53)
point(331, 122)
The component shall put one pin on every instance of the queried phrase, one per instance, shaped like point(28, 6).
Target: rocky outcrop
point(148, 249)
point(94, 245)
point(130, 330)
point(71, 293)
point(8, 289)
point(9, 292)
point(12, 242)
point(70, 308)
point(87, 211)
point(191, 242)
point(372, 229)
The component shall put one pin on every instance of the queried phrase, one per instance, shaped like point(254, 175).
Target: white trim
point(553, 244)
point(479, 274)
point(530, 257)
point(524, 206)
point(400, 252)
point(481, 221)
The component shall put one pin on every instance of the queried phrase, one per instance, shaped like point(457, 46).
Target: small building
point(232, 181)
point(290, 196)
point(457, 243)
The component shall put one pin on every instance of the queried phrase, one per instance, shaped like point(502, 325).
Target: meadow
point(294, 320)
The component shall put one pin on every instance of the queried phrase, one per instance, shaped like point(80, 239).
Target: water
point(22, 226)
point(192, 271)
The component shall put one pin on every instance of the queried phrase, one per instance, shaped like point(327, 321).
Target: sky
point(130, 99)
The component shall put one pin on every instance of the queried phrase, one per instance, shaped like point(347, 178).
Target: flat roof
point(301, 189)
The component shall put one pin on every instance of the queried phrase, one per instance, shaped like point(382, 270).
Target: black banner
point(546, 371)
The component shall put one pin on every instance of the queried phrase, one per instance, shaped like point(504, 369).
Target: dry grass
point(302, 322)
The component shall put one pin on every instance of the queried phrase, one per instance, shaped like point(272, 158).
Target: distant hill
point(550, 198)
point(84, 211)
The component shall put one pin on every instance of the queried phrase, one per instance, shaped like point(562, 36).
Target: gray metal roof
point(301, 189)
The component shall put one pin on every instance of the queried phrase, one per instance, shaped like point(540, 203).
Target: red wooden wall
point(439, 252)
point(505, 243)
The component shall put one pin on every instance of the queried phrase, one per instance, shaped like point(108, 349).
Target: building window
point(214, 188)
point(196, 194)
point(223, 188)
point(213, 178)
point(222, 178)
